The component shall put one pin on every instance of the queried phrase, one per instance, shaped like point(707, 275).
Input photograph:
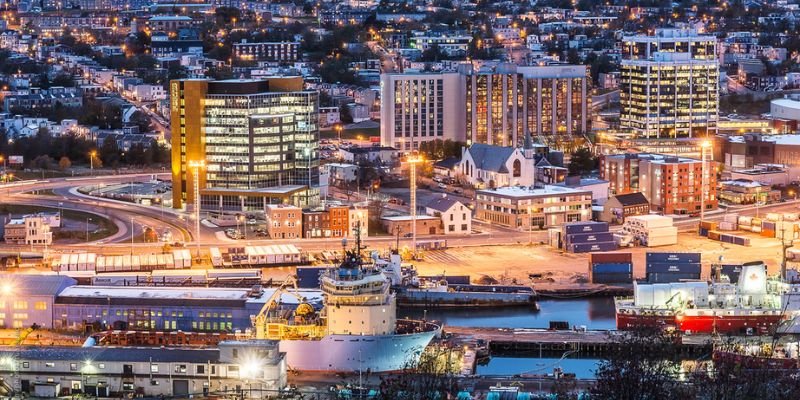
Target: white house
point(341, 172)
point(455, 216)
point(484, 165)
point(149, 92)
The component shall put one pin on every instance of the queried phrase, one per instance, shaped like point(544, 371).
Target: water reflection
point(583, 368)
point(595, 313)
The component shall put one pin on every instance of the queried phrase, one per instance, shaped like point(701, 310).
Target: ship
point(754, 305)
point(357, 328)
point(432, 292)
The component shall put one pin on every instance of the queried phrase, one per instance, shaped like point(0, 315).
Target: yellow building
point(258, 140)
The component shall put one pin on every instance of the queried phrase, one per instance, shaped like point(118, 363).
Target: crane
point(260, 321)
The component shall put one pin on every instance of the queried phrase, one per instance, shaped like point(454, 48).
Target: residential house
point(284, 221)
point(619, 207)
point(455, 216)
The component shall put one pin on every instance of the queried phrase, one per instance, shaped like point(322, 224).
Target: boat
point(755, 304)
point(431, 292)
point(357, 328)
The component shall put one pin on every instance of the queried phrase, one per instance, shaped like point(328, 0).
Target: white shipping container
point(773, 217)
point(756, 228)
point(746, 221)
point(649, 221)
point(791, 216)
point(727, 226)
point(662, 241)
point(733, 218)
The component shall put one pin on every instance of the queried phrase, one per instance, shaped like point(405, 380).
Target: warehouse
point(118, 372)
point(165, 308)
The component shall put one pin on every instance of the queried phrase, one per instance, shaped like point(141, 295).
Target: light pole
point(87, 229)
point(704, 147)
point(92, 155)
point(131, 236)
point(196, 166)
point(412, 163)
point(530, 226)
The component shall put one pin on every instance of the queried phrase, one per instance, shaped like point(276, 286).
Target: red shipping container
point(602, 258)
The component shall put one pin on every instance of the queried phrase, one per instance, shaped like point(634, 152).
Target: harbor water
point(594, 313)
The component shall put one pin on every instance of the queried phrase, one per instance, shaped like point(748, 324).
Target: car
point(252, 221)
point(458, 191)
point(408, 235)
point(442, 186)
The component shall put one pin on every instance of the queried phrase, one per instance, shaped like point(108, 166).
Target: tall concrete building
point(669, 85)
point(505, 101)
point(421, 107)
point(259, 140)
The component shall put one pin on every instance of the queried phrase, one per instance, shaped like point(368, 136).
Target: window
point(517, 169)
point(235, 353)
point(153, 367)
point(50, 364)
point(40, 305)
point(73, 366)
point(101, 366)
point(26, 364)
point(180, 368)
point(201, 369)
point(20, 305)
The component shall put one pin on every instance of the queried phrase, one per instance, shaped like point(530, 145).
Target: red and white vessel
point(755, 304)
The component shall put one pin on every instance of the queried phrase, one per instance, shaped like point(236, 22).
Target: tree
point(64, 163)
point(582, 162)
point(429, 378)
point(43, 162)
point(646, 365)
point(433, 53)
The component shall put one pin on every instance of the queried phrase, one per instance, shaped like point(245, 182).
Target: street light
point(87, 229)
point(92, 155)
point(704, 147)
point(196, 166)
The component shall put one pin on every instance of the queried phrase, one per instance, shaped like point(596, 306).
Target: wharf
point(576, 290)
point(591, 342)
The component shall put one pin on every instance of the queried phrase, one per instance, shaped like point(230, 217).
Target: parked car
point(442, 186)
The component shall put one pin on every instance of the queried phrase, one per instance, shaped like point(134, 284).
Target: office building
point(421, 107)
point(505, 101)
point(267, 51)
point(284, 221)
point(525, 208)
point(259, 140)
point(669, 85)
point(672, 185)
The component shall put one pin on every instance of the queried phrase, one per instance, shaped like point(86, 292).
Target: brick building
point(284, 221)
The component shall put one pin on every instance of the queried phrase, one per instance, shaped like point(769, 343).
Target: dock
point(582, 342)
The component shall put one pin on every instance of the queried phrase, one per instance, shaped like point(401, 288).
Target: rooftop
point(442, 203)
point(792, 140)
point(112, 354)
point(745, 183)
point(525, 191)
point(180, 293)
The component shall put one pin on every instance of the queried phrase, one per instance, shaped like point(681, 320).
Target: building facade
point(504, 102)
point(669, 85)
point(267, 51)
point(123, 372)
point(455, 216)
point(259, 140)
point(421, 107)
point(32, 230)
point(485, 165)
point(672, 185)
point(525, 208)
point(284, 221)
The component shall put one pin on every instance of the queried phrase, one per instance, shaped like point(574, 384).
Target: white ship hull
point(351, 353)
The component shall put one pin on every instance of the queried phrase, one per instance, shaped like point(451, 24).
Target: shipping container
point(682, 268)
point(791, 216)
point(585, 227)
point(773, 217)
point(732, 218)
point(768, 225)
point(747, 221)
point(591, 247)
point(755, 228)
point(727, 226)
point(616, 268)
point(612, 278)
point(702, 232)
point(713, 235)
point(710, 225)
point(672, 257)
point(670, 278)
point(590, 238)
point(732, 270)
point(597, 258)
point(649, 221)
point(767, 233)
point(308, 277)
point(741, 240)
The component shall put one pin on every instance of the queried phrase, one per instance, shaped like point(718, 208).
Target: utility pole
point(786, 244)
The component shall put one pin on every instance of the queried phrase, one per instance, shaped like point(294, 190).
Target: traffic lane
point(761, 211)
point(28, 186)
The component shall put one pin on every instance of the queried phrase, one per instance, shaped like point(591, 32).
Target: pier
point(582, 342)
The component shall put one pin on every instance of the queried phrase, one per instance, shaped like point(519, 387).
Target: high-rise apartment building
point(259, 140)
point(669, 85)
point(421, 107)
point(505, 101)
point(672, 185)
